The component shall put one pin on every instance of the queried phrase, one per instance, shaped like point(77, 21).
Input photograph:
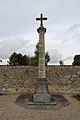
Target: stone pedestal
point(42, 95)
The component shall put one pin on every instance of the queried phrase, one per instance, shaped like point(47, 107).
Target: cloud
point(55, 56)
point(66, 45)
point(71, 39)
point(11, 44)
point(68, 58)
point(18, 17)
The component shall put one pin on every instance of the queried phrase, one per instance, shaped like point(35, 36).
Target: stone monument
point(41, 98)
point(41, 95)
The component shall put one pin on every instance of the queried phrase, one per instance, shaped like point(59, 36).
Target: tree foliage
point(19, 59)
point(47, 58)
point(61, 62)
point(76, 60)
point(36, 56)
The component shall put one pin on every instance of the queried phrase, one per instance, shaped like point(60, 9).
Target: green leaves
point(18, 59)
point(76, 60)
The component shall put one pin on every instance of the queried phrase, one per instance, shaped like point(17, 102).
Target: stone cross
point(41, 30)
point(41, 19)
point(41, 96)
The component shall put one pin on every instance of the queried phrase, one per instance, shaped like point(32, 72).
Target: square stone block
point(41, 98)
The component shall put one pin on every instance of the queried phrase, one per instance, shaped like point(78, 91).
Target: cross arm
point(37, 18)
point(40, 18)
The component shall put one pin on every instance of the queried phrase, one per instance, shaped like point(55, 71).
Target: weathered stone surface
point(42, 98)
point(17, 79)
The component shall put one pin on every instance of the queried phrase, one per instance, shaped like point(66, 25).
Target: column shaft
point(41, 73)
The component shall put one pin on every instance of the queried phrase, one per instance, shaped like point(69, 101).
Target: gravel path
point(10, 111)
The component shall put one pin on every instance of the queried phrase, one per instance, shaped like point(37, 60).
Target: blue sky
point(18, 28)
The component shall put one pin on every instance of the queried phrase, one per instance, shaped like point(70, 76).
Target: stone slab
point(41, 98)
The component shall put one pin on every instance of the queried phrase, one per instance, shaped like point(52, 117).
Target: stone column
point(41, 69)
point(41, 96)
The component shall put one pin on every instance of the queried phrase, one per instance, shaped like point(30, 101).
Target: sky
point(18, 28)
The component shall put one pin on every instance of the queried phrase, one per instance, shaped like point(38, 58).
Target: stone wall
point(17, 79)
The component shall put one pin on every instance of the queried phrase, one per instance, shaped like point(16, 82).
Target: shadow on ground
point(23, 100)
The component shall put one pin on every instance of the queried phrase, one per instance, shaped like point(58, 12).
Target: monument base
point(57, 102)
point(42, 95)
point(41, 98)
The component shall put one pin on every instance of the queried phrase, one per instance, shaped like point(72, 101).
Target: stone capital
point(41, 29)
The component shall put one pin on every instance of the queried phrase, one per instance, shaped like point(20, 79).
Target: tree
point(32, 61)
point(47, 58)
point(36, 56)
point(61, 62)
point(18, 59)
point(26, 60)
point(76, 60)
point(1, 61)
point(12, 59)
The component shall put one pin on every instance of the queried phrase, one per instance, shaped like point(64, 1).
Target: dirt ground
point(11, 111)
